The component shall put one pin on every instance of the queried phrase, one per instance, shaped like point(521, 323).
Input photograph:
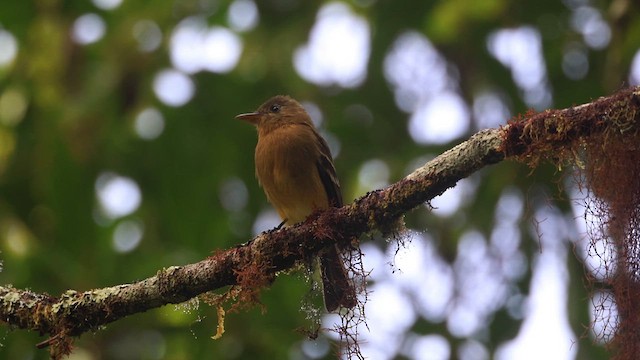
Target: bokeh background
point(120, 155)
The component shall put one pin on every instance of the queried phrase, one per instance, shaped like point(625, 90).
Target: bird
point(294, 167)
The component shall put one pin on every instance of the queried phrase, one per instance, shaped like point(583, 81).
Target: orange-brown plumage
point(295, 168)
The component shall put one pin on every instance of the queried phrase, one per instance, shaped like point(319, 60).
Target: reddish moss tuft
point(613, 175)
point(606, 134)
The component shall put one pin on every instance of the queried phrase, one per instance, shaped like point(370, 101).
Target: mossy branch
point(530, 138)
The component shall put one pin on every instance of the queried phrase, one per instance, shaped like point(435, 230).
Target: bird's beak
point(252, 118)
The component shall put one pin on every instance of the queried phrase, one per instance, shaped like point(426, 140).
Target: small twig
point(48, 342)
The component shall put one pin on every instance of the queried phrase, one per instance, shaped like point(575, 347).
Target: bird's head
point(278, 111)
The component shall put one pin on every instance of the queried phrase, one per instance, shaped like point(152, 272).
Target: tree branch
point(531, 138)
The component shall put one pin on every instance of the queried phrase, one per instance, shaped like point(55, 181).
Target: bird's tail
point(338, 290)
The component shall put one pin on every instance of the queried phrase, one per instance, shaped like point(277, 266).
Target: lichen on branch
point(549, 135)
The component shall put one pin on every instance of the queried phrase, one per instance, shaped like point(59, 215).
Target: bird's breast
point(286, 161)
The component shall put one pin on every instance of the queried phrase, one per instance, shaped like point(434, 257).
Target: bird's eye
point(275, 108)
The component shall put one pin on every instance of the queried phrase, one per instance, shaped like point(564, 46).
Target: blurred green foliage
point(77, 120)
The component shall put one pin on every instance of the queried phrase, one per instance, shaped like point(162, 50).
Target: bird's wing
point(327, 172)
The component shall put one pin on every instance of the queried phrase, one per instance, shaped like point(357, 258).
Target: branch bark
point(530, 138)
